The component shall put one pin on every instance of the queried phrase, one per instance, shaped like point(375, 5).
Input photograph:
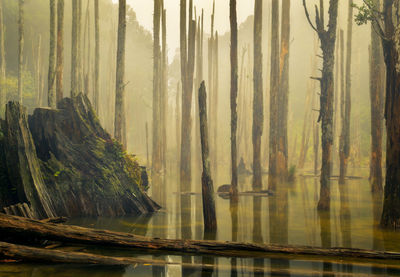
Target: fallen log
point(19, 228)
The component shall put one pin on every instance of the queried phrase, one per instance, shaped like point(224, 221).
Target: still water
point(287, 217)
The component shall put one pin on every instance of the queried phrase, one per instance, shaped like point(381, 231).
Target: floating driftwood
point(19, 228)
point(61, 162)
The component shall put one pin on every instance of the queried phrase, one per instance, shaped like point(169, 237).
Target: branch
point(308, 16)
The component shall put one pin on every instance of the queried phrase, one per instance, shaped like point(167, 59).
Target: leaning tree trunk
point(3, 93)
point(119, 123)
point(376, 95)
point(51, 77)
point(234, 93)
point(258, 113)
point(60, 51)
point(20, 46)
point(210, 219)
point(96, 89)
point(345, 147)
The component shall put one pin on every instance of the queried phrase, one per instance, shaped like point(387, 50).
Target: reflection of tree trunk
point(325, 227)
point(376, 96)
point(345, 221)
point(258, 116)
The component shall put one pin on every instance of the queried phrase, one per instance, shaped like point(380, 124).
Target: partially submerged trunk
point(65, 164)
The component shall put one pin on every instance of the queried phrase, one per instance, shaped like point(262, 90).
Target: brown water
point(288, 217)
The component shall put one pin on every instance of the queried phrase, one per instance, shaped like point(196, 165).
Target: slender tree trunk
point(79, 48)
point(3, 91)
point(214, 102)
point(164, 91)
point(210, 220)
point(283, 96)
point(51, 77)
point(178, 121)
point(376, 95)
point(60, 50)
point(74, 50)
point(96, 89)
point(258, 113)
point(210, 65)
point(345, 148)
point(274, 95)
point(20, 46)
point(120, 75)
point(234, 93)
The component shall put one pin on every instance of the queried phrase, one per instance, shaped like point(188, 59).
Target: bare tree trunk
point(283, 96)
point(20, 46)
point(164, 90)
point(79, 48)
point(345, 137)
point(74, 50)
point(210, 219)
point(120, 75)
point(274, 95)
point(377, 87)
point(51, 77)
point(214, 101)
point(178, 121)
point(3, 91)
point(60, 50)
point(234, 93)
point(328, 41)
point(258, 113)
point(96, 89)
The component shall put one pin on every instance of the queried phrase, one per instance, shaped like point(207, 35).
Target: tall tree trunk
point(283, 96)
point(258, 112)
point(210, 219)
point(79, 48)
point(51, 77)
point(3, 92)
point(234, 93)
point(60, 50)
point(96, 89)
point(376, 95)
point(156, 152)
point(274, 95)
point(119, 124)
point(20, 46)
point(178, 121)
point(74, 50)
point(345, 136)
point(164, 91)
point(328, 41)
point(187, 43)
point(214, 101)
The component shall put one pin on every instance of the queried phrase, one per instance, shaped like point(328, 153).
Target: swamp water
point(287, 217)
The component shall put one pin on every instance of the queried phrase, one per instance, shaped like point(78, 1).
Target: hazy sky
point(144, 11)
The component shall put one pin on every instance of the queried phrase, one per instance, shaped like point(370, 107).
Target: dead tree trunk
point(60, 51)
point(120, 76)
point(156, 152)
point(3, 93)
point(234, 93)
point(376, 95)
point(187, 45)
point(327, 38)
point(258, 112)
point(345, 136)
point(210, 219)
point(20, 46)
point(283, 96)
point(96, 89)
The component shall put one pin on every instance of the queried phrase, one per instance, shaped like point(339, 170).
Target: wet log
point(19, 228)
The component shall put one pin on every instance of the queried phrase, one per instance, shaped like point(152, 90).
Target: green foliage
point(366, 12)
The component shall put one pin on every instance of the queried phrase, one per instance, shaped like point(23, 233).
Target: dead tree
point(119, 123)
point(210, 220)
point(274, 94)
point(156, 152)
point(327, 38)
point(96, 89)
point(258, 112)
point(20, 46)
point(187, 46)
point(345, 136)
point(60, 51)
point(377, 87)
point(234, 94)
point(3, 93)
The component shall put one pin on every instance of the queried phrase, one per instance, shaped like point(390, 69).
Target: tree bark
point(96, 89)
point(120, 76)
point(164, 90)
point(20, 46)
point(345, 137)
point(3, 93)
point(258, 113)
point(377, 87)
point(234, 93)
point(51, 77)
point(214, 102)
point(74, 50)
point(60, 51)
point(210, 219)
